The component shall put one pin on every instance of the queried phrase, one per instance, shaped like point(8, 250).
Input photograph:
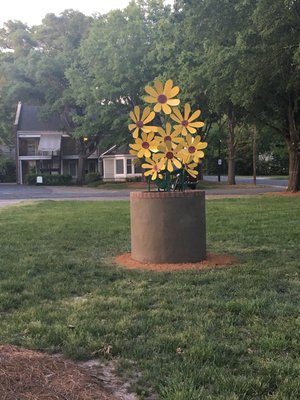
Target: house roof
point(28, 119)
point(118, 150)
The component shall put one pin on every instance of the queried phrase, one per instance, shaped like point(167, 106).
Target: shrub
point(49, 180)
point(135, 179)
point(92, 177)
point(7, 170)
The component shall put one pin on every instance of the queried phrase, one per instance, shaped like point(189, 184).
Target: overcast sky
point(33, 11)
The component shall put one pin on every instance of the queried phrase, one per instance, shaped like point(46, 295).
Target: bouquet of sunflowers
point(165, 137)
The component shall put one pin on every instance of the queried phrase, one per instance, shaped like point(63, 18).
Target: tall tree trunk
point(231, 148)
point(294, 166)
point(254, 134)
point(293, 142)
point(81, 169)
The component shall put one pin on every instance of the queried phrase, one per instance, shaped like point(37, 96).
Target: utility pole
point(219, 161)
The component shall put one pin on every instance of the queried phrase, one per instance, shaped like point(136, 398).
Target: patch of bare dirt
point(212, 261)
point(283, 194)
point(30, 375)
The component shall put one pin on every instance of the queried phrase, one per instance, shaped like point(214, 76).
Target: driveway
point(13, 193)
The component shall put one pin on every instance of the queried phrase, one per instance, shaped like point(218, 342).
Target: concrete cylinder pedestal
point(168, 227)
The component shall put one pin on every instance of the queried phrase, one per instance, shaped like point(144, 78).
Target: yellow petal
point(173, 92)
point(149, 128)
point(196, 140)
point(149, 161)
point(195, 115)
point(175, 118)
point(187, 110)
point(202, 145)
point(176, 139)
point(150, 99)
point(168, 128)
point(200, 154)
point(136, 111)
point(161, 131)
point(168, 145)
point(131, 126)
point(170, 166)
point(135, 146)
point(140, 154)
point(154, 176)
point(177, 129)
point(173, 102)
point(151, 91)
point(132, 116)
point(197, 124)
point(178, 113)
point(191, 130)
point(144, 137)
point(148, 118)
point(150, 136)
point(166, 109)
point(157, 107)
point(146, 166)
point(147, 153)
point(145, 113)
point(162, 148)
point(135, 133)
point(192, 172)
point(158, 86)
point(177, 163)
point(147, 173)
point(168, 87)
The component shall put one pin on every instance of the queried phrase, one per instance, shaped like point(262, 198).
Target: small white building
point(118, 166)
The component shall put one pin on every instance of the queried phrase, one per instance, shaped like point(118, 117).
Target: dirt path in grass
point(30, 375)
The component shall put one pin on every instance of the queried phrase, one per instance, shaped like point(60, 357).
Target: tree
point(112, 69)
point(268, 73)
point(208, 61)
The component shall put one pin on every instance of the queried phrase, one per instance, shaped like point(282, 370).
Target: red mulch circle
point(30, 375)
point(212, 261)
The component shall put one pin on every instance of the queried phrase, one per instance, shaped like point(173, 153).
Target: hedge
point(54, 180)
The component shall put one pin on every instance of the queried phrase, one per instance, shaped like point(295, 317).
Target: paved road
point(260, 180)
point(24, 192)
point(12, 193)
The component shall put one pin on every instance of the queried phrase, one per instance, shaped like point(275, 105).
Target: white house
point(117, 164)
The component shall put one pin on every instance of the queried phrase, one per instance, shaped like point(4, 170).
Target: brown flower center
point(155, 168)
point(169, 155)
point(192, 149)
point(145, 145)
point(162, 99)
point(184, 123)
point(140, 124)
point(167, 138)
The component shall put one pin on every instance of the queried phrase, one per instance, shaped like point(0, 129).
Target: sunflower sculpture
point(171, 148)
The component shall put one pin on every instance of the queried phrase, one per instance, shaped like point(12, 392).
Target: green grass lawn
point(217, 334)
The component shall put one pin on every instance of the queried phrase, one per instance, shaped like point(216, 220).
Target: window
point(72, 168)
point(129, 166)
point(119, 167)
